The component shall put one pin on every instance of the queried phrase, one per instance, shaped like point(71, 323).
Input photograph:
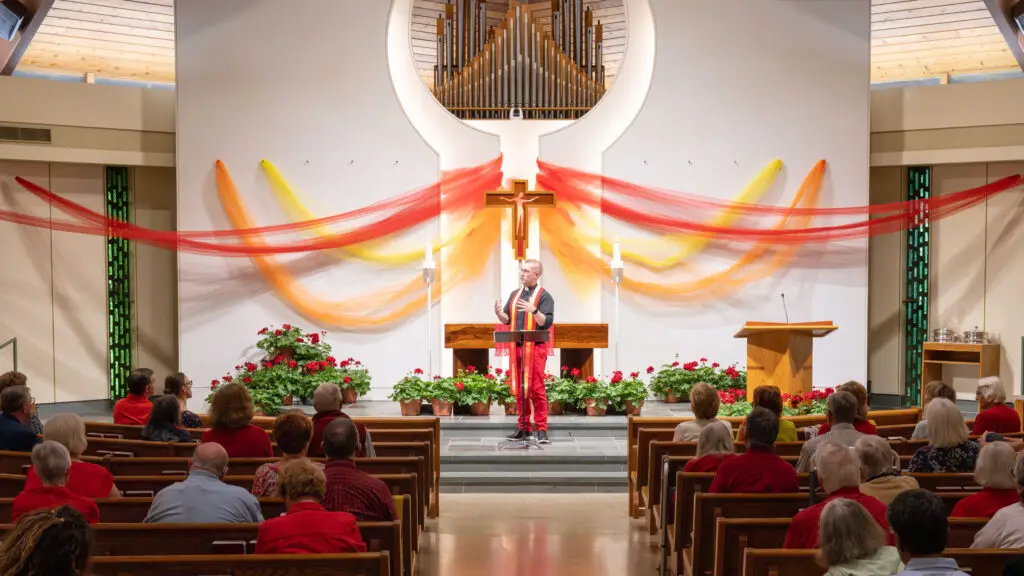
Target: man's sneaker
point(519, 435)
point(542, 437)
point(530, 437)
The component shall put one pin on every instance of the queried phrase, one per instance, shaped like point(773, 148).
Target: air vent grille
point(24, 134)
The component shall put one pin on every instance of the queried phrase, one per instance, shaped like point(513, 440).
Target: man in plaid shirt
point(350, 490)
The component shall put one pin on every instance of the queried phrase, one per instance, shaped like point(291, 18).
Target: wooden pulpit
point(780, 354)
point(471, 344)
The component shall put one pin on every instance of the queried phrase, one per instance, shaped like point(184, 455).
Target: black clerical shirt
point(545, 305)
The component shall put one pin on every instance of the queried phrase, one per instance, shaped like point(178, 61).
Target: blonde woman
point(994, 415)
point(704, 402)
point(852, 543)
point(714, 447)
point(994, 472)
point(231, 414)
point(949, 449)
point(84, 478)
point(880, 469)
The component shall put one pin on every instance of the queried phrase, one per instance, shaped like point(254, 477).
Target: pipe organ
point(554, 73)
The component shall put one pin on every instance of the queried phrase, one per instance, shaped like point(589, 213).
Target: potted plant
point(593, 394)
point(501, 392)
point(409, 393)
point(561, 391)
point(476, 391)
point(443, 392)
point(627, 395)
point(671, 383)
point(355, 380)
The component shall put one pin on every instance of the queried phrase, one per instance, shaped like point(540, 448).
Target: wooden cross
point(519, 198)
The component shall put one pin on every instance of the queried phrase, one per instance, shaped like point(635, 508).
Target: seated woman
point(880, 469)
point(292, 431)
point(180, 386)
point(932, 390)
point(861, 423)
point(231, 414)
point(85, 478)
point(994, 472)
point(15, 378)
point(714, 447)
point(307, 528)
point(852, 543)
point(770, 397)
point(994, 415)
point(51, 542)
point(704, 402)
point(164, 421)
point(1006, 528)
point(949, 449)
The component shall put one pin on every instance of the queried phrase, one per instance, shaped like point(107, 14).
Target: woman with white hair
point(85, 478)
point(714, 446)
point(852, 543)
point(994, 415)
point(994, 473)
point(880, 469)
point(949, 449)
point(1006, 528)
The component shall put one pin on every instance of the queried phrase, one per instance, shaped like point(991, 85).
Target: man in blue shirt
point(203, 497)
point(17, 406)
point(918, 518)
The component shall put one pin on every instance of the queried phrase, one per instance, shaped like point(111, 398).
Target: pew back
point(775, 562)
point(364, 564)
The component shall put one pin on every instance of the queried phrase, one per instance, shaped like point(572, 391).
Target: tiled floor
point(536, 535)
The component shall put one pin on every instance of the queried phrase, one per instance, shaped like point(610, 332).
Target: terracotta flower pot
point(511, 409)
point(671, 398)
point(556, 408)
point(441, 407)
point(286, 401)
point(633, 409)
point(480, 408)
point(593, 409)
point(411, 407)
point(349, 395)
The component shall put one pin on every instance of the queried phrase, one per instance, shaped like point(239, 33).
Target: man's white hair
point(876, 456)
point(837, 466)
point(52, 462)
point(327, 397)
point(995, 466)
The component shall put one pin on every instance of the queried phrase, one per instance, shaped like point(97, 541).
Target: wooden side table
point(938, 354)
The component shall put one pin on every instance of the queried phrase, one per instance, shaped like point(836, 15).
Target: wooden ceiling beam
point(1000, 10)
point(37, 13)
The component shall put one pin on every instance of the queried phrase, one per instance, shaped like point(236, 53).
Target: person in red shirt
point(51, 542)
point(134, 408)
point(994, 414)
point(714, 447)
point(759, 469)
point(85, 478)
point(861, 423)
point(53, 463)
point(307, 528)
point(327, 402)
point(231, 413)
point(348, 489)
point(994, 472)
point(838, 471)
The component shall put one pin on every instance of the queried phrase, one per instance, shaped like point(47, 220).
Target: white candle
point(428, 256)
point(616, 255)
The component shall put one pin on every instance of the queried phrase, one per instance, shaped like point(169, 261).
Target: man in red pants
point(533, 309)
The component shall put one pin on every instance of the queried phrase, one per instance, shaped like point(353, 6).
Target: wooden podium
point(471, 343)
point(780, 354)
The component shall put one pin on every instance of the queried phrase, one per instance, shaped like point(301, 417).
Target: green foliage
point(446, 389)
point(741, 408)
point(410, 387)
point(561, 389)
point(680, 379)
point(621, 390)
point(592, 388)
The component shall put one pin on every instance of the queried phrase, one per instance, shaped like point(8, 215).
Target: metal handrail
point(13, 343)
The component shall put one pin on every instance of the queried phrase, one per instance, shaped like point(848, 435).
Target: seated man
point(758, 469)
point(203, 497)
point(918, 520)
point(350, 490)
point(52, 463)
point(135, 408)
point(842, 411)
point(17, 407)
point(307, 528)
point(15, 378)
point(839, 474)
point(327, 403)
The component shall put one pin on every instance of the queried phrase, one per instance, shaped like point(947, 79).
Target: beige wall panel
point(1004, 274)
point(885, 290)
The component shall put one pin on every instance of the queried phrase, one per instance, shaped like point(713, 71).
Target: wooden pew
point(365, 564)
point(734, 535)
point(775, 562)
point(115, 447)
point(638, 477)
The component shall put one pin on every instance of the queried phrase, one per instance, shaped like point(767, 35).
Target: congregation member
point(839, 475)
point(949, 449)
point(995, 474)
point(327, 403)
point(180, 386)
point(15, 378)
point(994, 414)
point(880, 469)
point(16, 410)
point(714, 447)
point(52, 463)
point(759, 469)
point(292, 430)
point(231, 414)
point(134, 408)
point(307, 528)
point(842, 410)
point(1006, 528)
point(770, 397)
point(348, 489)
point(918, 521)
point(852, 543)
point(704, 402)
point(84, 478)
point(860, 423)
point(204, 497)
point(164, 422)
point(932, 390)
point(47, 543)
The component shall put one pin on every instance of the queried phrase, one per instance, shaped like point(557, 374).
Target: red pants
point(536, 395)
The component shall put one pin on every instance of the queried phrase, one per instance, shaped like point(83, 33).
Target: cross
point(518, 198)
